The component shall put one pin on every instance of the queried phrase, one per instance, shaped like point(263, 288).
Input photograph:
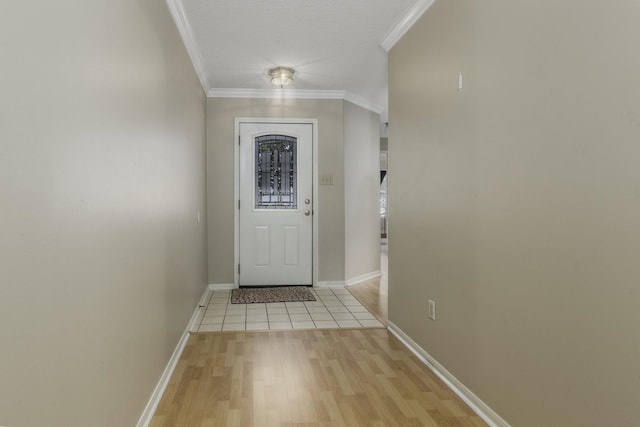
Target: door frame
point(236, 188)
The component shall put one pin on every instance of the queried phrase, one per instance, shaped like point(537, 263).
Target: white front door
point(276, 204)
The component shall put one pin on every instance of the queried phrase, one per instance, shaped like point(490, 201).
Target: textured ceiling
point(332, 44)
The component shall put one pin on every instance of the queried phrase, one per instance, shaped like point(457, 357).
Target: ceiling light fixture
point(281, 76)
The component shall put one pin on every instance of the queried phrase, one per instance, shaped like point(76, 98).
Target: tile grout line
point(331, 293)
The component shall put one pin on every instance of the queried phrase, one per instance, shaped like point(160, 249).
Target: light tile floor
point(333, 308)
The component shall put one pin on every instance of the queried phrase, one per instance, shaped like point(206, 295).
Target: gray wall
point(362, 191)
point(221, 114)
point(515, 204)
point(102, 173)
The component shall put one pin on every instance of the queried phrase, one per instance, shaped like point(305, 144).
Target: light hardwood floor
point(369, 294)
point(335, 377)
point(373, 293)
point(338, 377)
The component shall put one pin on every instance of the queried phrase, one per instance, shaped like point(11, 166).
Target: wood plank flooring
point(373, 293)
point(336, 377)
point(370, 295)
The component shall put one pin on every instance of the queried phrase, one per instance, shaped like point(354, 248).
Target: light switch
point(326, 179)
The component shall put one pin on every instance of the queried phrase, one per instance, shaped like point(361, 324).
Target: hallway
point(316, 377)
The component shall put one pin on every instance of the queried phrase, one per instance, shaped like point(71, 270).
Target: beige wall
point(102, 143)
point(221, 114)
point(515, 204)
point(362, 191)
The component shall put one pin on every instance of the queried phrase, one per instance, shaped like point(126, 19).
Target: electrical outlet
point(432, 310)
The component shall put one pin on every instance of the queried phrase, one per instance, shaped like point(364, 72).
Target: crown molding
point(276, 93)
point(180, 19)
point(362, 102)
point(296, 94)
point(412, 14)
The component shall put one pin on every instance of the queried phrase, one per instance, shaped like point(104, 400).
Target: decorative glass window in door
point(276, 175)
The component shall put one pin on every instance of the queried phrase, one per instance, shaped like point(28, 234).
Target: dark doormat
point(272, 294)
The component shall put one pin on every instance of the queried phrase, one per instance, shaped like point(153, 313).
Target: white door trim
point(236, 188)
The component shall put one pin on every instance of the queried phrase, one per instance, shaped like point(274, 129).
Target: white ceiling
point(334, 45)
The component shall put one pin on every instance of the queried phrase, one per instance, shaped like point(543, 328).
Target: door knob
point(307, 201)
point(307, 212)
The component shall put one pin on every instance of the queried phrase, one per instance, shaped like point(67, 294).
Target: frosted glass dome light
point(281, 76)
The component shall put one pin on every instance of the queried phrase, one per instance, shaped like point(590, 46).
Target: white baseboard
point(481, 408)
point(324, 284)
point(222, 286)
point(198, 313)
point(154, 400)
point(363, 277)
